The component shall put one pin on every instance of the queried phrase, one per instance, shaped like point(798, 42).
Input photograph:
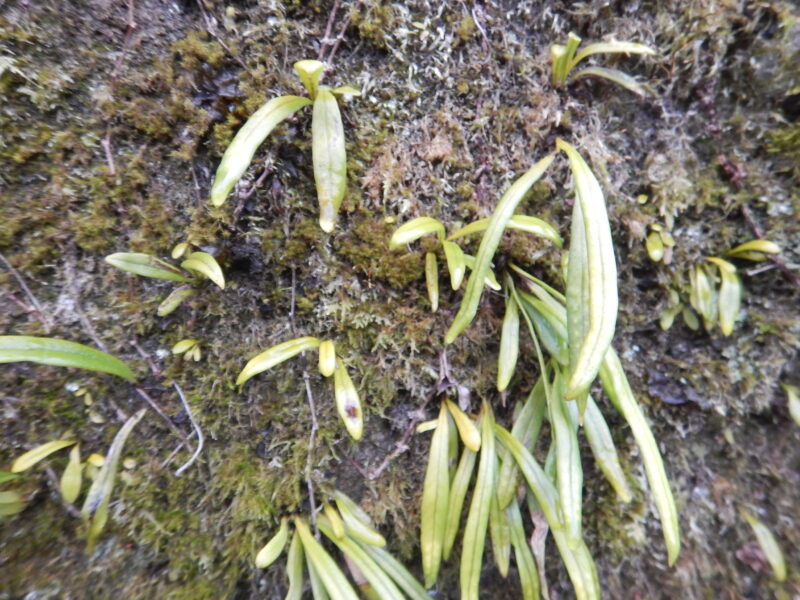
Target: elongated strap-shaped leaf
point(769, 545)
point(458, 491)
point(206, 265)
point(500, 534)
point(526, 565)
point(569, 473)
point(491, 238)
point(331, 575)
point(467, 430)
point(146, 266)
point(550, 328)
point(730, 294)
point(526, 429)
point(478, 518)
point(358, 522)
point(327, 358)
point(455, 263)
point(329, 157)
point(274, 547)
point(70, 484)
point(348, 404)
point(702, 294)
point(31, 457)
point(415, 229)
point(509, 344)
point(609, 48)
point(435, 501)
point(336, 522)
point(655, 246)
point(174, 300)
point(60, 353)
point(276, 355)
point(95, 507)
point(591, 278)
point(8, 476)
point(580, 567)
point(310, 72)
point(394, 569)
point(432, 280)
point(524, 223)
point(294, 568)
point(346, 90)
point(754, 250)
point(600, 441)
point(318, 591)
point(619, 391)
point(240, 153)
point(382, 584)
point(615, 76)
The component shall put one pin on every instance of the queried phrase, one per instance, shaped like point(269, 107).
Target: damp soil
point(113, 118)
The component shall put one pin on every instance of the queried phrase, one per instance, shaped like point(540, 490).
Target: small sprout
point(337, 525)
point(327, 358)
point(509, 344)
point(467, 430)
point(96, 418)
point(793, 399)
point(31, 457)
point(146, 266)
point(206, 265)
point(655, 246)
point(174, 300)
point(755, 250)
point(70, 485)
point(348, 403)
point(129, 463)
point(190, 348)
point(769, 545)
point(96, 460)
point(730, 295)
point(432, 280)
point(415, 229)
point(180, 249)
point(276, 355)
point(274, 547)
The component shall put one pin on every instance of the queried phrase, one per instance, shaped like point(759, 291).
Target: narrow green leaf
point(591, 278)
point(615, 76)
point(730, 295)
point(432, 280)
point(655, 246)
point(500, 534)
point(206, 265)
point(346, 90)
point(754, 250)
point(490, 281)
point(95, 507)
point(31, 457)
point(358, 523)
point(569, 473)
point(455, 263)
point(335, 519)
point(60, 353)
point(310, 72)
point(7, 476)
point(458, 491)
point(294, 568)
point(769, 545)
point(327, 358)
point(701, 294)
point(11, 503)
point(551, 327)
point(174, 300)
point(524, 223)
point(415, 229)
point(509, 344)
point(526, 565)
point(318, 591)
point(600, 441)
point(609, 48)
point(619, 391)
point(478, 518)
point(435, 501)
point(240, 153)
point(348, 404)
point(70, 484)
point(557, 54)
point(573, 41)
point(394, 569)
point(274, 547)
point(467, 430)
point(332, 577)
point(502, 213)
point(382, 584)
point(146, 266)
point(276, 355)
point(329, 157)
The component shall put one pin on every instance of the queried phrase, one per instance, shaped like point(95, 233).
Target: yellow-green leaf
point(335, 519)
point(184, 346)
point(180, 249)
point(70, 484)
point(329, 157)
point(310, 72)
point(357, 521)
point(490, 281)
point(467, 430)
point(730, 295)
point(415, 229)
point(500, 534)
point(526, 565)
point(60, 353)
point(793, 399)
point(240, 153)
point(435, 501)
point(276, 355)
point(327, 358)
point(294, 568)
point(489, 242)
point(206, 265)
point(754, 250)
point(346, 90)
point(31, 457)
point(591, 278)
point(394, 569)
point(615, 76)
point(7, 476)
point(769, 545)
point(524, 223)
point(655, 246)
point(274, 547)
point(332, 577)
point(619, 391)
point(455, 263)
point(432, 280)
point(348, 404)
point(174, 300)
point(602, 445)
point(478, 518)
point(146, 266)
point(609, 48)
point(458, 491)
point(509, 344)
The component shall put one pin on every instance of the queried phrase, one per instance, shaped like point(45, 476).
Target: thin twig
point(200, 440)
point(211, 28)
point(106, 144)
point(48, 325)
point(338, 42)
point(325, 41)
point(130, 27)
point(159, 412)
point(310, 457)
point(293, 301)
